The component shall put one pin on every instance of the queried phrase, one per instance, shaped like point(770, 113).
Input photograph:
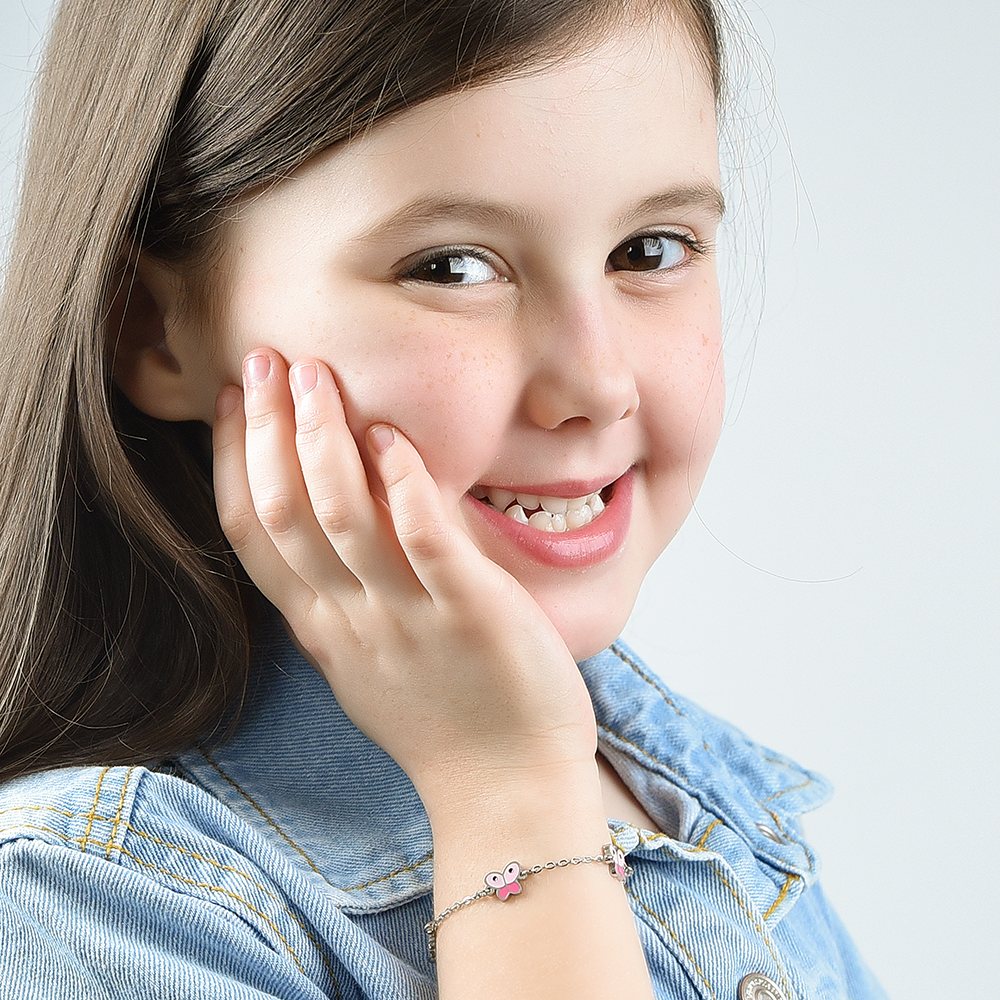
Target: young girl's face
point(518, 277)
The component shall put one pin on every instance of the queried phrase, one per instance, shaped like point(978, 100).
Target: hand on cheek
point(437, 653)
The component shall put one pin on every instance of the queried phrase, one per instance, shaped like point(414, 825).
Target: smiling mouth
point(545, 513)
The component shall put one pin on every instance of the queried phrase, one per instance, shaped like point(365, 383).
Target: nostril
point(562, 394)
point(631, 409)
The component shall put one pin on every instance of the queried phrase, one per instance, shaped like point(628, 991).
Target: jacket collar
point(668, 749)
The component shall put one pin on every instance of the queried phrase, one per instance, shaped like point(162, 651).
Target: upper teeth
point(544, 513)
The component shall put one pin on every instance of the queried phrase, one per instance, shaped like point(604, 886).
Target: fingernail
point(381, 437)
point(226, 401)
point(304, 377)
point(256, 368)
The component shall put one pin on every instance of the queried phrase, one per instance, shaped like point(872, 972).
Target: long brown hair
point(124, 624)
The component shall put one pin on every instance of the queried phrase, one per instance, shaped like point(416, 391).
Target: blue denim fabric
point(295, 860)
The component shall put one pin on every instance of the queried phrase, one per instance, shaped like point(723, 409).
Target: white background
point(861, 457)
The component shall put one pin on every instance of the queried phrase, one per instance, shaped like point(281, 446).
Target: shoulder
point(129, 827)
point(96, 860)
point(81, 808)
point(158, 826)
point(131, 835)
point(120, 815)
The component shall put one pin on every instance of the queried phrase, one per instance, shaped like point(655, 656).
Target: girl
point(338, 710)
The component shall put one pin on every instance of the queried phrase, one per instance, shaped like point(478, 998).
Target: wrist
point(498, 770)
point(480, 826)
point(508, 796)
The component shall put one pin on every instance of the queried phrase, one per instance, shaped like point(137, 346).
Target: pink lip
point(582, 547)
point(564, 488)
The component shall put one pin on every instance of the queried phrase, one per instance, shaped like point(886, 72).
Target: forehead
point(631, 116)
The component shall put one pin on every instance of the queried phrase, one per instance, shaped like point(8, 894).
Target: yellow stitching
point(161, 843)
point(781, 827)
point(635, 667)
point(93, 809)
point(704, 836)
point(225, 892)
point(234, 871)
point(61, 812)
point(118, 815)
point(399, 871)
point(180, 878)
point(242, 874)
point(265, 815)
point(757, 927)
point(249, 906)
point(781, 895)
point(198, 857)
point(156, 840)
point(789, 838)
point(785, 791)
point(43, 829)
point(676, 939)
point(292, 843)
point(776, 760)
point(635, 746)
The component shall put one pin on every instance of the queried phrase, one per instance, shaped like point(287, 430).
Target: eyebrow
point(703, 196)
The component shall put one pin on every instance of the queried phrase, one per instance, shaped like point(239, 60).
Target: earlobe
point(144, 322)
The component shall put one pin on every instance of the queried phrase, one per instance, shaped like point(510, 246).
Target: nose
point(581, 370)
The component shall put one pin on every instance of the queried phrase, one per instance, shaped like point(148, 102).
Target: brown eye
point(452, 269)
point(647, 253)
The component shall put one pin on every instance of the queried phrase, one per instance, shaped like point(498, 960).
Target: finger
point(337, 483)
point(277, 488)
point(442, 556)
point(251, 543)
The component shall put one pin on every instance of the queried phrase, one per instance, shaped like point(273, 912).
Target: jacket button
point(758, 987)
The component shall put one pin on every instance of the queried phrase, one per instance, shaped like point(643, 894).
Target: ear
point(150, 334)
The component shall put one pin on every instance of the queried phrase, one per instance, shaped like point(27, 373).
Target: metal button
point(758, 987)
point(770, 833)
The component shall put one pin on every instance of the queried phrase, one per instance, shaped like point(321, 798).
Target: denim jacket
point(295, 860)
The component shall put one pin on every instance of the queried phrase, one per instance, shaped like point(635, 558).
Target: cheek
point(434, 377)
point(682, 411)
point(684, 382)
point(435, 394)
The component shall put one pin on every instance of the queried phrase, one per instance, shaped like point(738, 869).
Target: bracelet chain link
point(507, 883)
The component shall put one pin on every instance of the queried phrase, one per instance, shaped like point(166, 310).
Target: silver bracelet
point(507, 883)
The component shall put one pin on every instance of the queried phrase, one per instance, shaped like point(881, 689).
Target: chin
point(590, 612)
point(588, 634)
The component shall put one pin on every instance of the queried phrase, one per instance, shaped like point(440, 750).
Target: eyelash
point(440, 254)
point(695, 247)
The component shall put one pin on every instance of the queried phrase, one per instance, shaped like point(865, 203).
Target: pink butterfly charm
point(505, 883)
point(621, 867)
